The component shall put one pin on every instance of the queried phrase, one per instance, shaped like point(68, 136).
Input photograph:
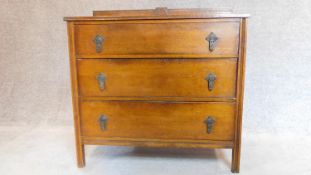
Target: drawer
point(157, 77)
point(208, 37)
point(192, 120)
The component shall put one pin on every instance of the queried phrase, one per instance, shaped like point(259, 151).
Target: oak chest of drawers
point(160, 78)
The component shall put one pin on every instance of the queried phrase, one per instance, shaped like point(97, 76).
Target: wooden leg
point(80, 155)
point(235, 164)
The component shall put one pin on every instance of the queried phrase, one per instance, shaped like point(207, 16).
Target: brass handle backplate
point(99, 40)
point(210, 121)
point(210, 78)
point(102, 122)
point(101, 79)
point(212, 41)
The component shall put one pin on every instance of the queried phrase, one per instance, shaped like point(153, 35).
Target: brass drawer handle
point(212, 40)
point(103, 122)
point(210, 121)
point(101, 78)
point(210, 78)
point(98, 40)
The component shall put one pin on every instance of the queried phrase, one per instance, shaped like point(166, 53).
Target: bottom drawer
point(155, 120)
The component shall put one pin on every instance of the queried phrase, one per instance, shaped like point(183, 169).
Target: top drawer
point(209, 38)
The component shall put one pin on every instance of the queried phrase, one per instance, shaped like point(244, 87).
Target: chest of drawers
point(159, 78)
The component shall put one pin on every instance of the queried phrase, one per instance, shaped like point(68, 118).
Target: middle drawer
point(157, 77)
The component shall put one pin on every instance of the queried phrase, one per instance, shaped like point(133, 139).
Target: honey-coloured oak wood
point(236, 151)
point(158, 78)
point(164, 12)
point(177, 143)
point(159, 13)
point(182, 37)
point(158, 120)
point(75, 100)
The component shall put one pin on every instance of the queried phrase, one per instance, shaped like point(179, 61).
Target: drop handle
point(101, 79)
point(102, 122)
point(212, 41)
point(209, 121)
point(99, 40)
point(211, 78)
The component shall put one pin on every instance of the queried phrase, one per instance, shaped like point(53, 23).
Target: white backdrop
point(36, 123)
point(34, 67)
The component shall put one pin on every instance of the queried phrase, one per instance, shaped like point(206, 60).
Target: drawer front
point(208, 37)
point(157, 77)
point(211, 121)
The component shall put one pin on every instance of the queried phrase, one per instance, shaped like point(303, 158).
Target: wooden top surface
point(158, 13)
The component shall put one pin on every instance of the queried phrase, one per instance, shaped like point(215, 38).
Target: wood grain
point(158, 77)
point(159, 13)
point(178, 143)
point(158, 120)
point(75, 97)
point(155, 63)
point(145, 98)
point(236, 152)
point(157, 38)
point(164, 12)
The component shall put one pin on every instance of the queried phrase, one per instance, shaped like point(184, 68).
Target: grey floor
point(49, 149)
